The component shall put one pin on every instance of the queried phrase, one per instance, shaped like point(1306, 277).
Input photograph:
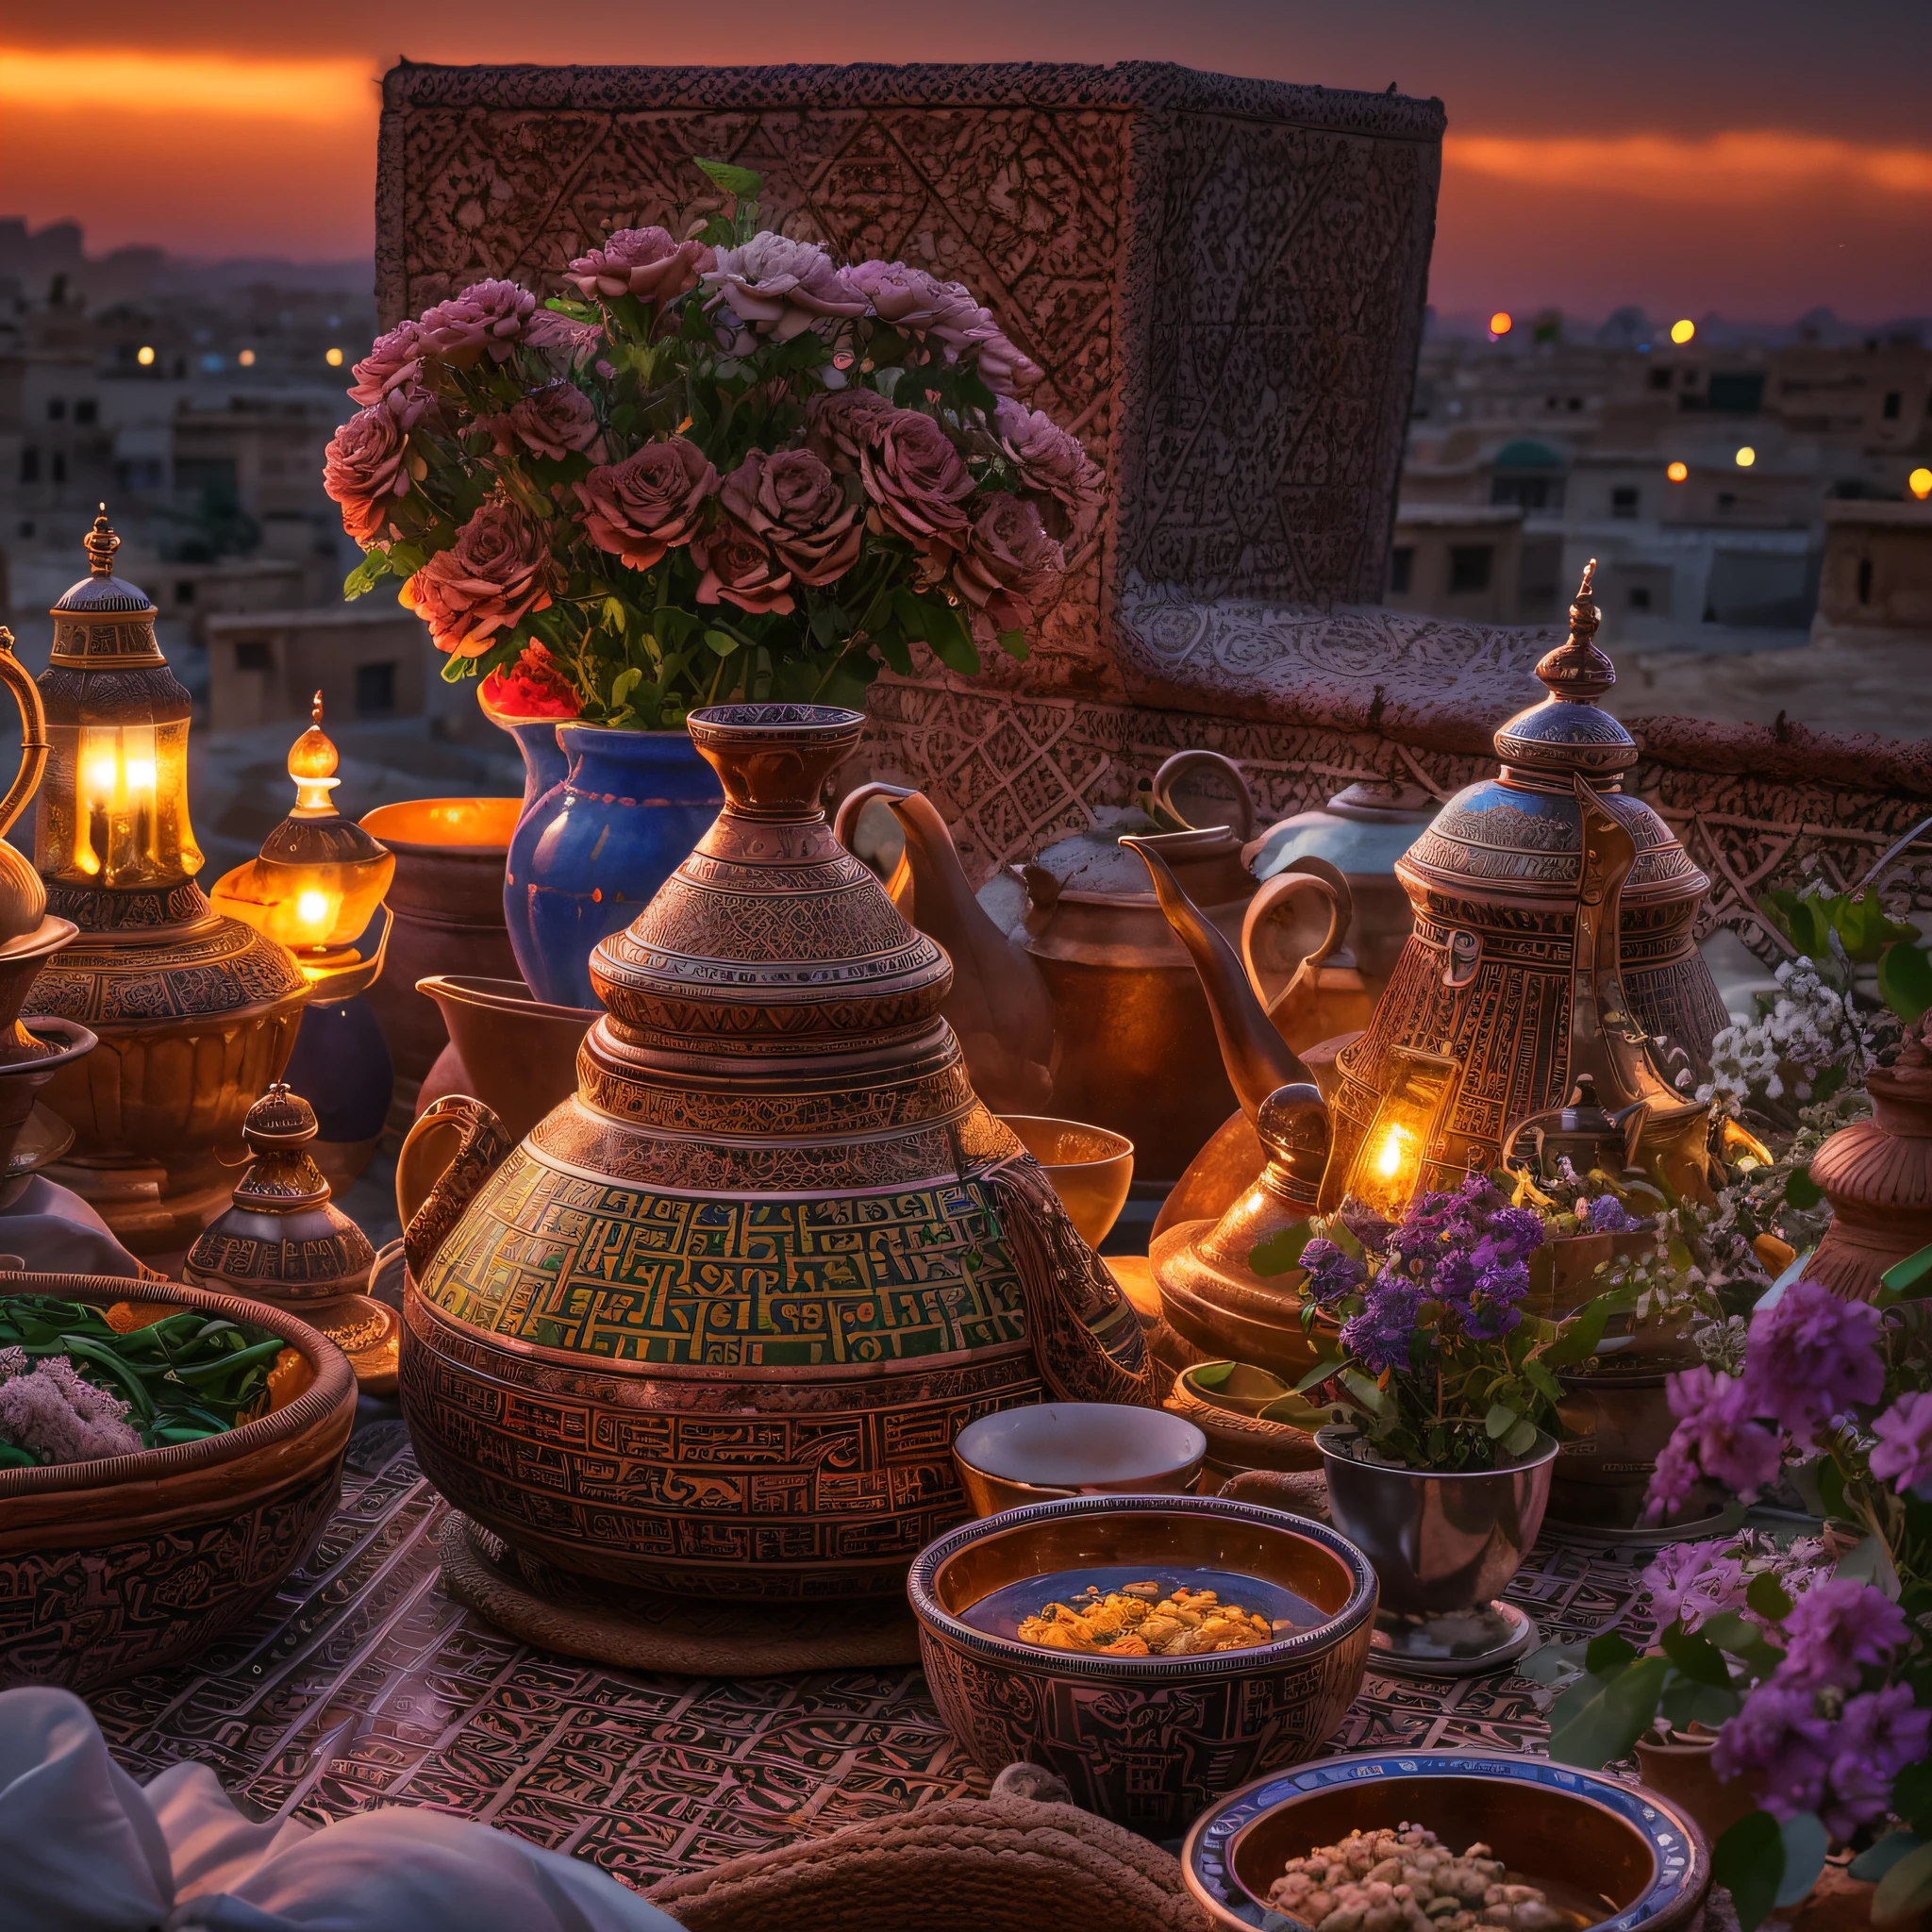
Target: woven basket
point(996, 1864)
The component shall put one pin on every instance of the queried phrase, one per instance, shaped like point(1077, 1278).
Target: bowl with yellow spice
point(1153, 1651)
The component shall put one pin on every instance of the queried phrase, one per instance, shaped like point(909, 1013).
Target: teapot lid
point(1567, 732)
point(771, 927)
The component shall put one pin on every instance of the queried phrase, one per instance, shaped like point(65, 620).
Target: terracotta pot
point(135, 1561)
point(1877, 1176)
point(1682, 1773)
point(448, 899)
point(516, 1054)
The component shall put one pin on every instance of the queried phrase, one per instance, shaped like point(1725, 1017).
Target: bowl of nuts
point(1153, 1651)
point(1445, 1841)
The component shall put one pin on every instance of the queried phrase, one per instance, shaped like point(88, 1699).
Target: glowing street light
point(1501, 323)
point(144, 355)
point(1678, 471)
point(1681, 332)
point(334, 358)
point(1746, 457)
point(1920, 483)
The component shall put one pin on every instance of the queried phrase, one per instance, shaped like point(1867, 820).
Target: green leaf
point(1767, 1596)
point(624, 684)
point(1368, 1395)
point(615, 616)
point(1864, 929)
point(1500, 1419)
point(1685, 1704)
point(1737, 1636)
point(1697, 1656)
point(1805, 1841)
point(405, 559)
point(1908, 1280)
point(729, 178)
point(1609, 1653)
point(1298, 1412)
point(1522, 1439)
point(1905, 982)
point(1541, 1380)
point(1013, 642)
point(1326, 1367)
point(1212, 1374)
point(1906, 1889)
point(1281, 1250)
point(367, 575)
point(909, 611)
point(1749, 1860)
point(1875, 1860)
point(1597, 1722)
point(1804, 921)
point(952, 643)
point(1911, 1796)
point(1869, 1561)
point(721, 641)
point(1801, 1190)
point(1578, 1337)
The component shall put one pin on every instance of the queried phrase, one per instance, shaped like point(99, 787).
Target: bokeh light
point(1501, 323)
point(144, 355)
point(1681, 332)
point(1746, 457)
point(1920, 483)
point(1678, 471)
point(334, 358)
point(246, 359)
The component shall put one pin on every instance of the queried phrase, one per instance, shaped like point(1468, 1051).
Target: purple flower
point(1781, 1742)
point(1717, 1428)
point(778, 287)
point(1812, 1357)
point(1689, 1582)
point(1674, 1481)
point(1837, 1629)
point(1876, 1737)
point(1905, 1443)
point(1492, 1310)
point(1378, 1337)
point(1606, 1215)
point(50, 1411)
point(1332, 1272)
point(1370, 1228)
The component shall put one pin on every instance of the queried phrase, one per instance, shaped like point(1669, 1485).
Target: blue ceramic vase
point(595, 842)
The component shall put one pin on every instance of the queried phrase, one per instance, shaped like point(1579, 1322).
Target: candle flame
point(1388, 1155)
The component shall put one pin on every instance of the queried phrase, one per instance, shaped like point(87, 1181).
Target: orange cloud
point(318, 92)
point(1721, 169)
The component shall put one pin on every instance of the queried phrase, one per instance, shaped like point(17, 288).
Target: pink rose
point(739, 568)
point(779, 288)
point(1051, 463)
point(486, 319)
point(915, 477)
point(550, 330)
point(649, 502)
point(1010, 569)
point(366, 467)
point(835, 421)
point(394, 361)
point(549, 421)
point(794, 501)
point(910, 299)
point(644, 262)
point(487, 581)
point(1002, 366)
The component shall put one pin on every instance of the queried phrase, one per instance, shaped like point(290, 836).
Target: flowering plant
point(720, 467)
point(1819, 1677)
point(1432, 1357)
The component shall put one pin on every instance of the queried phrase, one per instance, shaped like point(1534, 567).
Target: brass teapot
point(1089, 1008)
point(1550, 995)
point(713, 1325)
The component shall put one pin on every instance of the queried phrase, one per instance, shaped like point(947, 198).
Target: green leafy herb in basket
point(178, 1379)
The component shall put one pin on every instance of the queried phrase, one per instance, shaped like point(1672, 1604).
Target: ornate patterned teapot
point(713, 1325)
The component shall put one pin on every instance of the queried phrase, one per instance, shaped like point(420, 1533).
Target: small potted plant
point(725, 467)
point(1805, 1677)
point(1436, 1391)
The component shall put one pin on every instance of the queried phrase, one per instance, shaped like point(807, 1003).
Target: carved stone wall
point(1222, 280)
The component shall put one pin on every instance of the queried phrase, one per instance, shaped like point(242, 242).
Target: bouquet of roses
point(718, 467)
point(1816, 1677)
point(1433, 1358)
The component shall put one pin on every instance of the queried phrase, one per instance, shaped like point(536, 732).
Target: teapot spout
point(999, 1004)
point(1259, 1060)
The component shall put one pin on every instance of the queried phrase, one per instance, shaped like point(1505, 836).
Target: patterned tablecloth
point(647, 1775)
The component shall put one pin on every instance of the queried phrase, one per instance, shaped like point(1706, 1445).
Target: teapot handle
point(846, 827)
point(454, 1147)
point(1303, 875)
point(33, 734)
point(1177, 767)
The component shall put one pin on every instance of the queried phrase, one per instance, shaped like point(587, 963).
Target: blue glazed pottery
point(593, 845)
point(544, 763)
point(1621, 1857)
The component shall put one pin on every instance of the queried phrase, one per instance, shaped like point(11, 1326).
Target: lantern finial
point(100, 545)
point(1576, 670)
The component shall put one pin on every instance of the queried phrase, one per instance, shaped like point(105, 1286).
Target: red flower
point(795, 504)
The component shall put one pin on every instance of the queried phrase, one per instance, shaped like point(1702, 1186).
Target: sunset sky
point(1754, 160)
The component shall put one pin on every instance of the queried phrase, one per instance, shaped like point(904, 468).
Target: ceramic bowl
point(1049, 1450)
point(1226, 1409)
point(123, 1565)
point(1597, 1845)
point(1090, 1169)
point(1147, 1742)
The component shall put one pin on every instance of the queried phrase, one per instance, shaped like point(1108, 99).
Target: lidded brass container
point(1552, 967)
point(714, 1325)
point(196, 1012)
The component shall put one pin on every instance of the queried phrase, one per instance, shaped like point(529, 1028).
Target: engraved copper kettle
point(1089, 1008)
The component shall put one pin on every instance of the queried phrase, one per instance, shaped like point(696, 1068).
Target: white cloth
point(83, 1848)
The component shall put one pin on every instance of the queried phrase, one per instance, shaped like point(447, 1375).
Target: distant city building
point(1876, 581)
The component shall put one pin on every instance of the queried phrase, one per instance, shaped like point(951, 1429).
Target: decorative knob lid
point(101, 590)
point(1567, 733)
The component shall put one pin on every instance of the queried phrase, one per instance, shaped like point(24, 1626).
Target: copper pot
point(448, 899)
point(515, 1054)
point(1877, 1176)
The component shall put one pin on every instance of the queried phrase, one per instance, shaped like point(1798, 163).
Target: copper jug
point(1089, 1008)
point(713, 1325)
